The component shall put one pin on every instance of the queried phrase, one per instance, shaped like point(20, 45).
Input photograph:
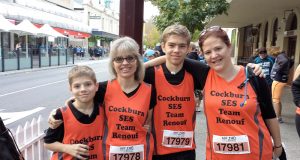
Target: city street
point(38, 92)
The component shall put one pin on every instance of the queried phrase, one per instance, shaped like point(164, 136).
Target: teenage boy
point(174, 115)
point(80, 135)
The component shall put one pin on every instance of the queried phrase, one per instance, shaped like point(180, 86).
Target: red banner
point(76, 34)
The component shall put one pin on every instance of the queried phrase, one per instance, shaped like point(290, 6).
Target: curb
point(33, 70)
point(52, 67)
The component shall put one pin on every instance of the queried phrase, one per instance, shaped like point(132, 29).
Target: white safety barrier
point(30, 140)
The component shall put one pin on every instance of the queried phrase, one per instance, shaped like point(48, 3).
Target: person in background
point(266, 63)
point(296, 97)
point(149, 54)
point(82, 119)
point(240, 125)
point(193, 54)
point(279, 75)
point(158, 48)
point(201, 57)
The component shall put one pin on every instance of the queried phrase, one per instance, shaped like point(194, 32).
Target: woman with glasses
point(127, 105)
point(240, 123)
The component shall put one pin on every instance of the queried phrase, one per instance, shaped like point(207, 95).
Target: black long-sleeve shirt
point(296, 91)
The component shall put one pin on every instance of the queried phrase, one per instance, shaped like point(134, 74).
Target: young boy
point(80, 135)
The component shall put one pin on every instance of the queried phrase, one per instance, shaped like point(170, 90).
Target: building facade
point(103, 18)
point(263, 23)
point(23, 50)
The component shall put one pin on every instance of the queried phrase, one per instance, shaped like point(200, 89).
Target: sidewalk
point(85, 60)
point(289, 134)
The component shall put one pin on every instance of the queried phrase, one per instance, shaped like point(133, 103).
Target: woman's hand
point(53, 123)
point(257, 70)
point(277, 151)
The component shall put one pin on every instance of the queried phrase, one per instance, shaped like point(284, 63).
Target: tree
point(193, 14)
point(151, 34)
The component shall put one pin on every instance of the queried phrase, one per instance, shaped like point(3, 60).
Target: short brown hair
point(178, 30)
point(214, 31)
point(81, 71)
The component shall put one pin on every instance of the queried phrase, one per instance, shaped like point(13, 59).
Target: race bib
point(231, 144)
point(135, 152)
point(177, 139)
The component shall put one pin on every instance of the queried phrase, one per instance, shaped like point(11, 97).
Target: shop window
point(294, 22)
point(266, 35)
point(274, 32)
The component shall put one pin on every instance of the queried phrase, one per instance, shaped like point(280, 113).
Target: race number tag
point(231, 144)
point(135, 152)
point(177, 139)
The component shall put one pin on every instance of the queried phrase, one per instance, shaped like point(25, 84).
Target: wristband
point(278, 146)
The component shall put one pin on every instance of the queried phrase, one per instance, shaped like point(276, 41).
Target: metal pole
point(2, 54)
point(58, 57)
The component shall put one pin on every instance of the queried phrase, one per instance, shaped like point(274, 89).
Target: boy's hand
point(257, 70)
point(79, 151)
point(53, 123)
point(147, 127)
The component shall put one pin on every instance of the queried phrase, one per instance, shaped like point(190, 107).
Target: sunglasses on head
point(129, 59)
point(209, 29)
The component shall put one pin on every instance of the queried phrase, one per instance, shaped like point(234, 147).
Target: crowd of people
point(276, 66)
point(149, 113)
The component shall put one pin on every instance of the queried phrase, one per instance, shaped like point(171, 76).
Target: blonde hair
point(81, 71)
point(274, 50)
point(178, 30)
point(126, 45)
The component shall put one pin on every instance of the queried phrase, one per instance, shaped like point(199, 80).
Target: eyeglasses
point(209, 29)
point(129, 59)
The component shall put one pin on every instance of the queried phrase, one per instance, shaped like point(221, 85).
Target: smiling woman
point(125, 59)
point(250, 115)
point(127, 102)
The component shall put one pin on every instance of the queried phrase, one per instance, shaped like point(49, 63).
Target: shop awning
point(105, 34)
point(25, 28)
point(76, 34)
point(47, 30)
point(5, 25)
point(19, 12)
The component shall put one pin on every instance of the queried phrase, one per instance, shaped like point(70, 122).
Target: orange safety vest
point(78, 133)
point(124, 134)
point(174, 114)
point(235, 132)
point(298, 110)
